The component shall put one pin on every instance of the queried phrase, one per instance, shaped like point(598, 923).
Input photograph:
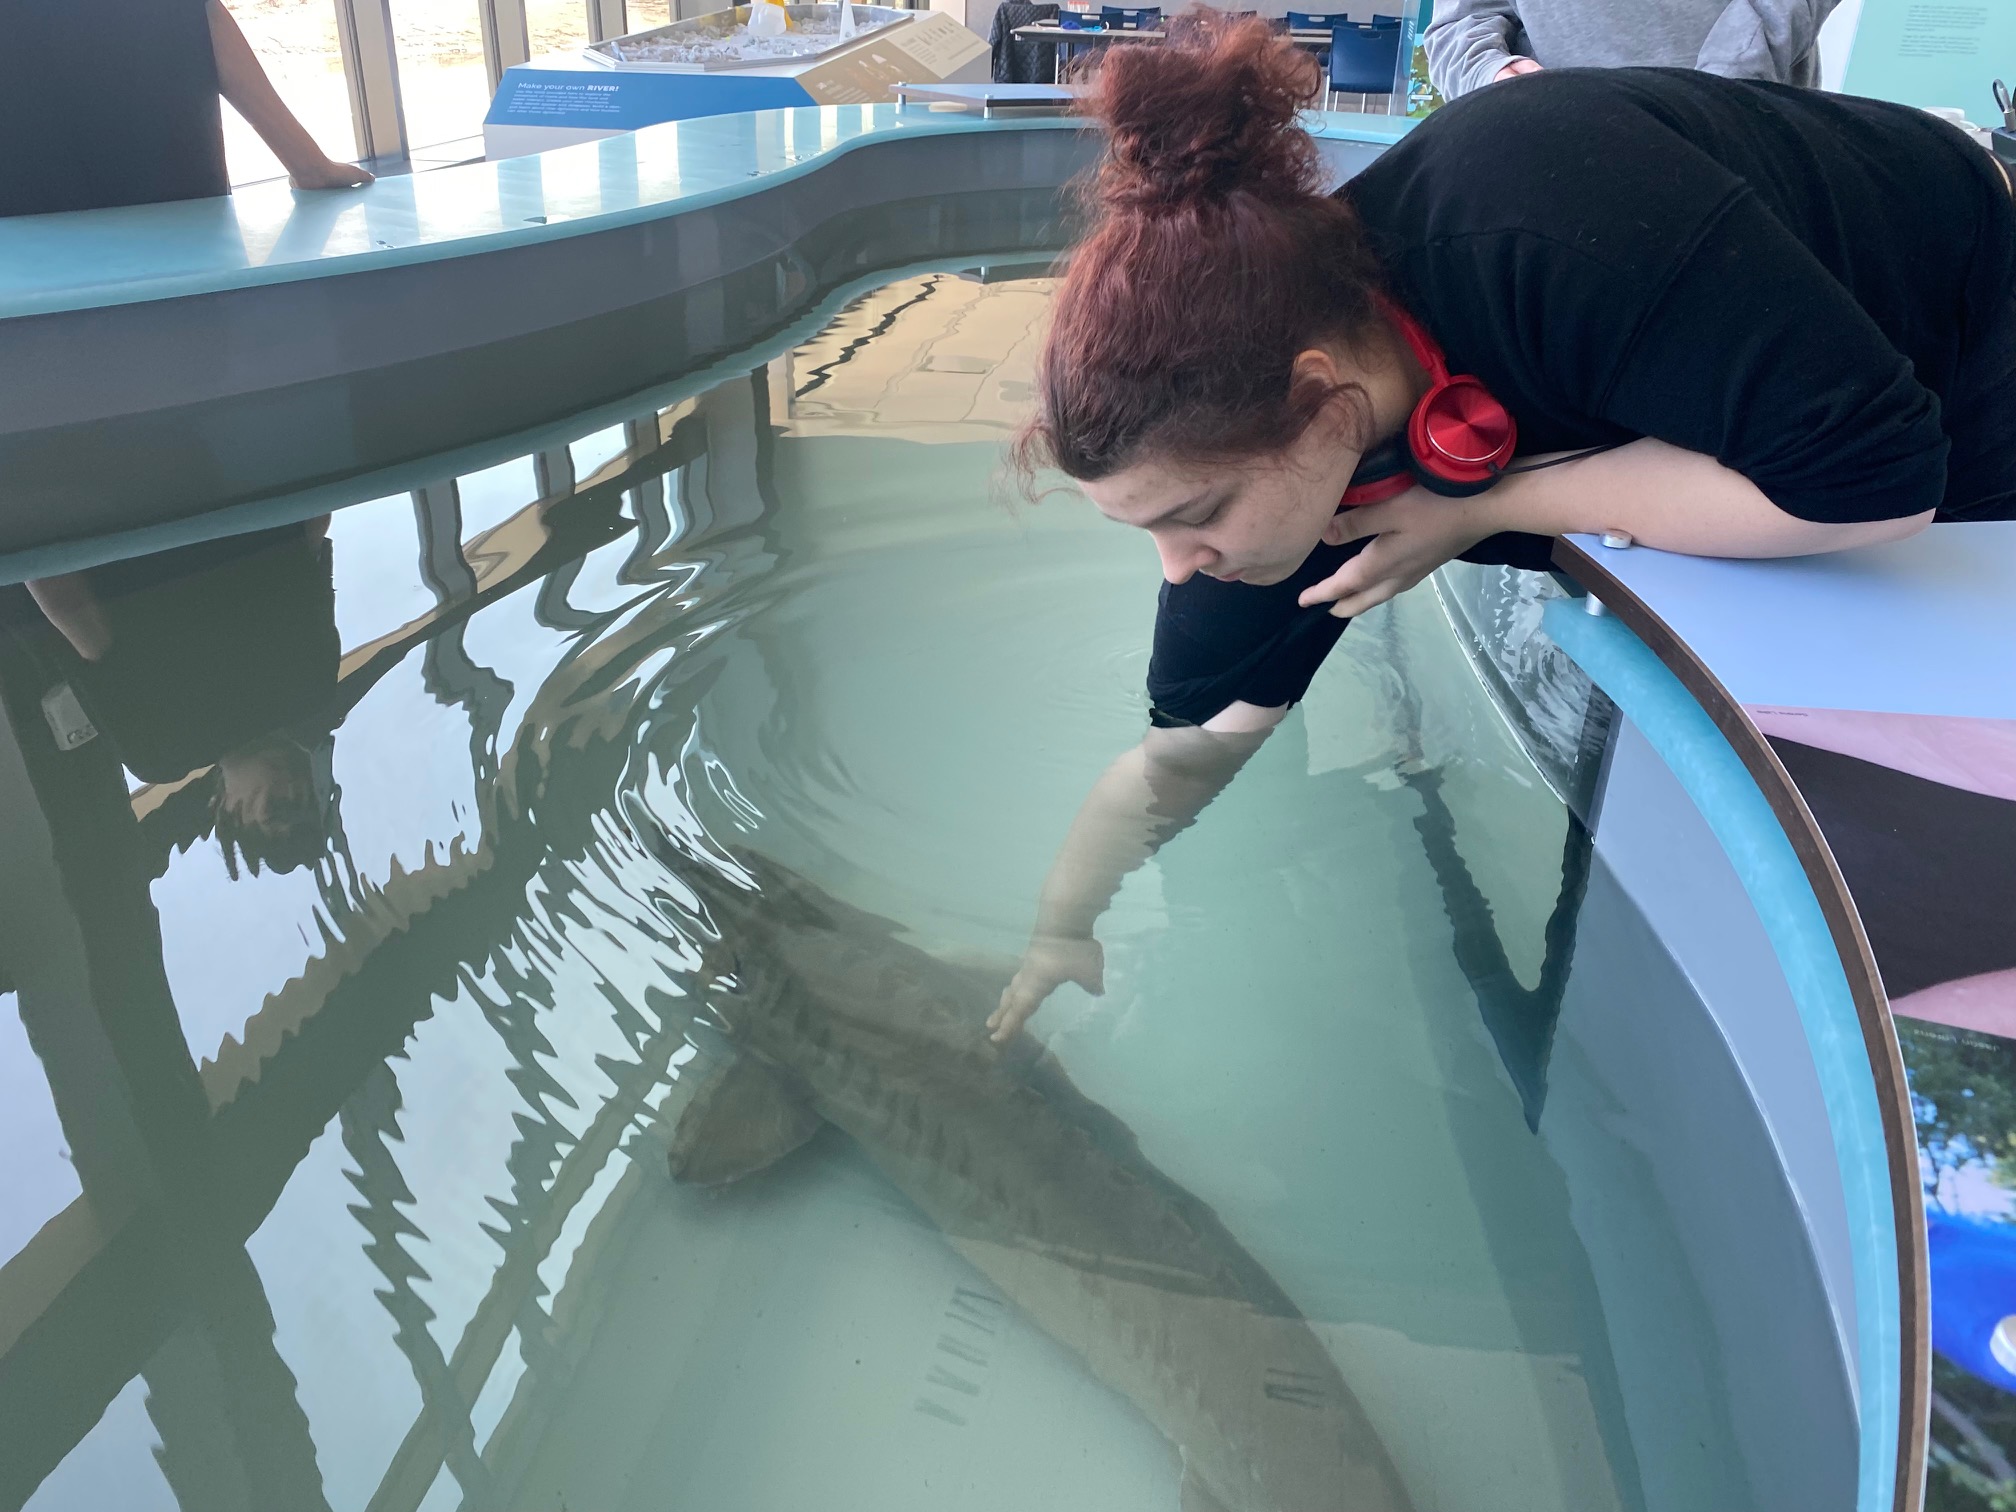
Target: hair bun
point(1209, 113)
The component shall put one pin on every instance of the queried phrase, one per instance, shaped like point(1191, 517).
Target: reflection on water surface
point(393, 903)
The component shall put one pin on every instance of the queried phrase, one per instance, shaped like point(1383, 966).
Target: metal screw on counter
point(1616, 540)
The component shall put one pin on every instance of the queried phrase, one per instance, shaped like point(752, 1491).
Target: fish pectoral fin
point(744, 1118)
point(1196, 1496)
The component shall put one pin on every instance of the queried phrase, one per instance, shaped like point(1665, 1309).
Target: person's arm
point(242, 81)
point(1469, 44)
point(1228, 661)
point(68, 603)
point(1152, 792)
point(1765, 39)
point(1658, 494)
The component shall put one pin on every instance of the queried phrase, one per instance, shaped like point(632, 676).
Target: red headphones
point(1457, 441)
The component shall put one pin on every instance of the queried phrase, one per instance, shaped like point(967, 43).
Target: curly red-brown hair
point(1210, 262)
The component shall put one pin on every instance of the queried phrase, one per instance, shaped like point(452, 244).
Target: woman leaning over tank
point(1734, 319)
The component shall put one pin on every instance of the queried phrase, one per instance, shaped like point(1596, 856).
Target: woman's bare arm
point(1661, 495)
point(242, 80)
point(68, 603)
point(1153, 791)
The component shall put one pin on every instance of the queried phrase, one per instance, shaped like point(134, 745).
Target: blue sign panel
point(1934, 54)
point(603, 100)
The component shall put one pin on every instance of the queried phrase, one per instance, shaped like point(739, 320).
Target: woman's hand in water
point(1417, 532)
point(1048, 963)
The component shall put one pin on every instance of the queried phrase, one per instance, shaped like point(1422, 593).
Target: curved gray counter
point(165, 361)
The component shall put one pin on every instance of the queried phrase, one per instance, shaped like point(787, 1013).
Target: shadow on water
point(1521, 1022)
point(1521, 1019)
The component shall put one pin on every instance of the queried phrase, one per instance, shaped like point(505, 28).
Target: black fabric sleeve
point(1219, 643)
point(1755, 355)
point(1977, 417)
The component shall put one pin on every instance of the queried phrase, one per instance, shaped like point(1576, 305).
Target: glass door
point(444, 86)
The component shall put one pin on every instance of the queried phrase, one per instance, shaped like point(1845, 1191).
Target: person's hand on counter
point(327, 173)
point(242, 80)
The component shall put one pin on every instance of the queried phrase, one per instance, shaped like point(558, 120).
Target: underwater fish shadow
point(833, 1019)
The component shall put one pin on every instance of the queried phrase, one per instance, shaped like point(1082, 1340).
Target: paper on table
point(940, 43)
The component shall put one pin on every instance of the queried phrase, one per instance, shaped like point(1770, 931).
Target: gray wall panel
point(1685, 1210)
point(1668, 861)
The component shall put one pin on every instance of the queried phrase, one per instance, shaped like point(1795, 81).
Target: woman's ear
point(1315, 366)
point(1343, 415)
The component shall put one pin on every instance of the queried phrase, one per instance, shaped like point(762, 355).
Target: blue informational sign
point(1963, 1086)
point(1934, 55)
point(1973, 1266)
point(602, 100)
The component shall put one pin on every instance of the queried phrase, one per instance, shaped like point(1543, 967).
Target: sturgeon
point(835, 1020)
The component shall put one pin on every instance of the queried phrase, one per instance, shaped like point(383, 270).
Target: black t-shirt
point(107, 102)
point(1788, 281)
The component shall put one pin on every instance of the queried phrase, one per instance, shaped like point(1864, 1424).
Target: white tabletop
point(1924, 626)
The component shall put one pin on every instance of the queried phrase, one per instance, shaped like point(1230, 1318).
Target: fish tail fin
point(743, 1119)
point(1195, 1495)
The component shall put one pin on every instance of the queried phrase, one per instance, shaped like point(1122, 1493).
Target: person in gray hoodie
point(1471, 43)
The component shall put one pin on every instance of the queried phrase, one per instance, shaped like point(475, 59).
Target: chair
point(1382, 22)
point(1317, 20)
point(1015, 61)
point(1065, 54)
point(1131, 18)
point(1364, 60)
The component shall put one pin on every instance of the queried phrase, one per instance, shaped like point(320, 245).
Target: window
point(413, 79)
point(556, 26)
point(444, 88)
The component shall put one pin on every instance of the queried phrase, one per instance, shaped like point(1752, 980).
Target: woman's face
point(1251, 521)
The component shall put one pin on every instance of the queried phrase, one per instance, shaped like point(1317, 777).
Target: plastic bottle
point(767, 18)
point(1956, 117)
